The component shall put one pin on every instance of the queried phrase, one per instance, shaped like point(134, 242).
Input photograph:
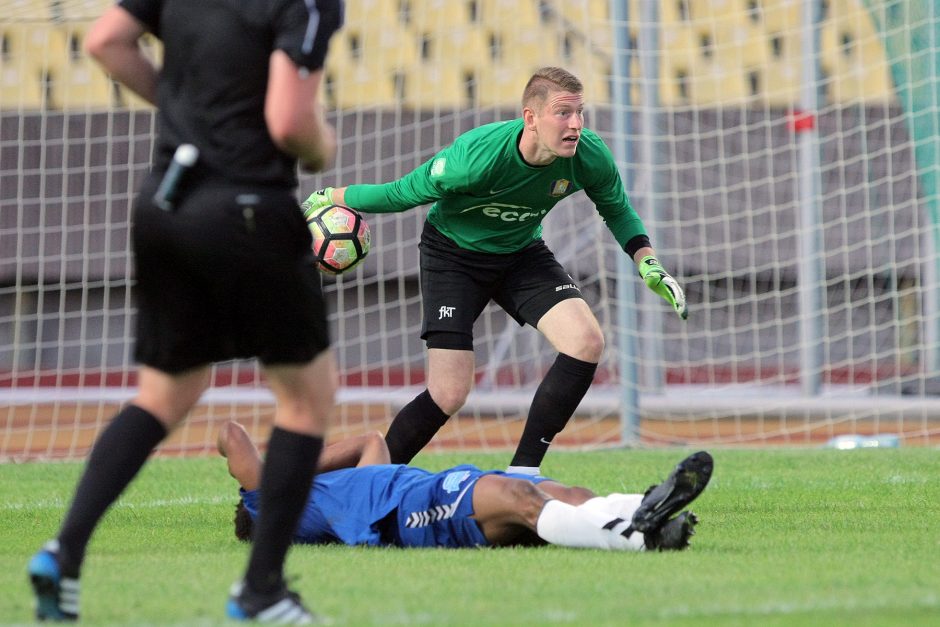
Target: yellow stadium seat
point(381, 13)
point(852, 55)
point(81, 84)
point(439, 15)
point(548, 46)
point(375, 47)
point(360, 87)
point(23, 73)
point(76, 80)
point(782, 69)
point(512, 15)
point(431, 86)
point(592, 68)
point(458, 47)
point(500, 86)
point(682, 45)
point(780, 16)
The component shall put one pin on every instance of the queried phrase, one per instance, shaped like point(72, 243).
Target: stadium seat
point(782, 72)
point(589, 21)
point(23, 73)
point(433, 86)
point(682, 44)
point(459, 47)
point(381, 13)
point(501, 86)
point(387, 47)
point(439, 15)
point(780, 17)
point(356, 87)
point(77, 81)
point(852, 55)
point(511, 15)
point(593, 68)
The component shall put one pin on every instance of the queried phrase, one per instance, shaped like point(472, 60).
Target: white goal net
point(783, 154)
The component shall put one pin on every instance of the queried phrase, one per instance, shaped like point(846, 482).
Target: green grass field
point(787, 537)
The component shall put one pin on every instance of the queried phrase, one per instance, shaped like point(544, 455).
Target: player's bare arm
point(114, 41)
point(294, 115)
point(244, 460)
point(367, 449)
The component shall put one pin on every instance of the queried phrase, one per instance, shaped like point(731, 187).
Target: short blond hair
point(546, 80)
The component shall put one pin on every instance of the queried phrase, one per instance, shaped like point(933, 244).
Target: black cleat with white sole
point(680, 488)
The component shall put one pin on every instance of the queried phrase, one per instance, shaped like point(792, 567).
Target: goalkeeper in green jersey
point(482, 241)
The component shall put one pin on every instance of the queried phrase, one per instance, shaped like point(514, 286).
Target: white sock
point(622, 505)
point(583, 528)
point(532, 471)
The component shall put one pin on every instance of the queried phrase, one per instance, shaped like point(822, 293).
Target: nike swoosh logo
point(544, 441)
point(494, 192)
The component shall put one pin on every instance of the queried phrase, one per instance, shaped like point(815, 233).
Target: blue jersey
point(391, 504)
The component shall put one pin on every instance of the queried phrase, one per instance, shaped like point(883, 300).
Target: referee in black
point(223, 259)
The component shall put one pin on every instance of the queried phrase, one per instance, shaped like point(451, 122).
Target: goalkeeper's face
point(559, 124)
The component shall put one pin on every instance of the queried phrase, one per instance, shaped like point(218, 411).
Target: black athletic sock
point(120, 452)
point(413, 428)
point(559, 394)
point(286, 477)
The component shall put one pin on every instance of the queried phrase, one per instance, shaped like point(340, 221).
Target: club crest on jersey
point(560, 187)
point(453, 480)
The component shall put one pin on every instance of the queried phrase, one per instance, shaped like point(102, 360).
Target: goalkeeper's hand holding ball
point(317, 200)
point(660, 281)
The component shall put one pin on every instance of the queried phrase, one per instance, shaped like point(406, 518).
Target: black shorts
point(227, 274)
point(457, 284)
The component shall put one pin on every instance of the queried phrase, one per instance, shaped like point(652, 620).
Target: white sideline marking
point(184, 501)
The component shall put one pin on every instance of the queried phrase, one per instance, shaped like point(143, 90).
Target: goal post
point(700, 103)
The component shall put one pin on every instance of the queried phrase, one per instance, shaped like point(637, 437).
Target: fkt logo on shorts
point(445, 312)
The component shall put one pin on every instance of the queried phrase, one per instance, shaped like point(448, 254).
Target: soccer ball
point(341, 238)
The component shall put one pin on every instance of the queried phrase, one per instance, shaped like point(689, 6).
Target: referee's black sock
point(286, 477)
point(120, 452)
point(413, 428)
point(559, 394)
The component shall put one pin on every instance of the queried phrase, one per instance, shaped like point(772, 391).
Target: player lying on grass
point(359, 498)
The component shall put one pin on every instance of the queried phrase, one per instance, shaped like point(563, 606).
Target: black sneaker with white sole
point(674, 534)
point(680, 488)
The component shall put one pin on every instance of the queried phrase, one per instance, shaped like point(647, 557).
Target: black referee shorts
point(457, 284)
point(229, 273)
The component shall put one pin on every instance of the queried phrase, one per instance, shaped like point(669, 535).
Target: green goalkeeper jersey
point(487, 199)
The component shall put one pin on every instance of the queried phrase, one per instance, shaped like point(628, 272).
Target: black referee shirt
point(212, 85)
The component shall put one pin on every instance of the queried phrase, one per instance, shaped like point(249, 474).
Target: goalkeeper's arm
point(660, 281)
point(383, 198)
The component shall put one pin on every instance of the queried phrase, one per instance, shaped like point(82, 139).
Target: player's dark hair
point(243, 523)
point(548, 79)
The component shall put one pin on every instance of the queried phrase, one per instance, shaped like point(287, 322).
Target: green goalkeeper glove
point(317, 200)
point(658, 280)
